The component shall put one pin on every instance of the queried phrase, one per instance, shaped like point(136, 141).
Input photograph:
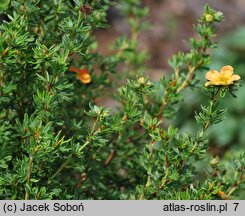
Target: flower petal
point(212, 75)
point(83, 71)
point(229, 82)
point(208, 84)
point(73, 69)
point(226, 71)
point(85, 78)
point(79, 71)
point(235, 77)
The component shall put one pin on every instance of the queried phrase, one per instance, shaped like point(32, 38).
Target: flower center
point(223, 79)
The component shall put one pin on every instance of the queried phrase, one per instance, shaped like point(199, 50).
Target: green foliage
point(57, 144)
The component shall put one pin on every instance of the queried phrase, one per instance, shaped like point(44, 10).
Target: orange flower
point(223, 78)
point(82, 74)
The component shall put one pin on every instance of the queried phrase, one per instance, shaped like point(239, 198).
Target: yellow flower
point(223, 78)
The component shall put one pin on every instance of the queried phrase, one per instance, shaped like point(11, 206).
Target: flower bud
point(214, 161)
point(141, 80)
point(209, 18)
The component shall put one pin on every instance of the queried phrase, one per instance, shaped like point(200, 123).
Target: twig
point(82, 178)
point(71, 155)
point(110, 157)
point(164, 179)
point(29, 177)
point(148, 183)
point(62, 166)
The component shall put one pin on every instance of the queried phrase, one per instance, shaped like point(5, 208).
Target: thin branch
point(110, 157)
point(148, 183)
point(164, 179)
point(82, 178)
point(28, 177)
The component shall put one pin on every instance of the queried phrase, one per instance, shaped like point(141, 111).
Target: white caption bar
point(122, 208)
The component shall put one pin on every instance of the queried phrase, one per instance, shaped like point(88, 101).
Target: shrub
point(56, 143)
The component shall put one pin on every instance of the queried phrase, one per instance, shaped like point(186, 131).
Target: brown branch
point(82, 178)
point(28, 177)
point(223, 195)
point(110, 157)
point(165, 102)
point(236, 185)
point(186, 83)
point(188, 79)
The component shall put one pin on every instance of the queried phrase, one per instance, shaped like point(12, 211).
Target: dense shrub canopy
point(56, 143)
